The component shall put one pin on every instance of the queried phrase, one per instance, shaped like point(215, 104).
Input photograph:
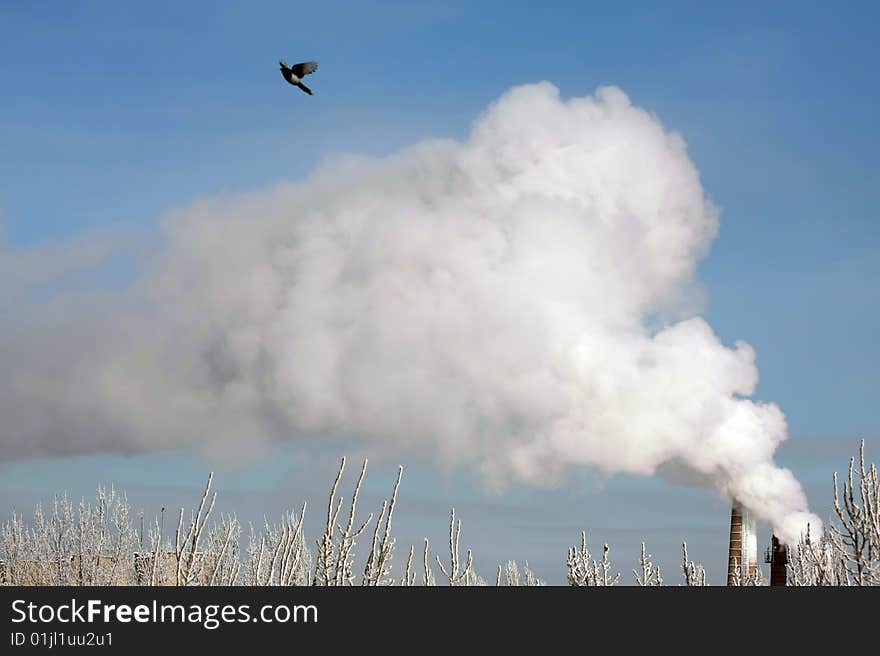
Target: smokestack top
point(742, 560)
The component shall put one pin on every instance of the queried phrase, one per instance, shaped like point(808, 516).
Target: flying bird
point(294, 74)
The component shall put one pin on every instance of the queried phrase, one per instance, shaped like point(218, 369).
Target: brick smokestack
point(743, 546)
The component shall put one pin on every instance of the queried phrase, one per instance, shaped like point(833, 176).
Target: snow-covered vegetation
point(101, 543)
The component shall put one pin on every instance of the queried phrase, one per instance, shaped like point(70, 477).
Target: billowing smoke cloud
point(522, 302)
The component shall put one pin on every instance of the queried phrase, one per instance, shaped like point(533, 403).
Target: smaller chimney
point(778, 558)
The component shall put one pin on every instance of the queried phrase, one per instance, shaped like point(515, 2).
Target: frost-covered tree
point(279, 555)
point(847, 552)
point(457, 574)
point(694, 574)
point(509, 575)
point(86, 544)
point(855, 536)
point(816, 561)
point(97, 544)
point(378, 568)
point(584, 570)
point(648, 574)
point(335, 548)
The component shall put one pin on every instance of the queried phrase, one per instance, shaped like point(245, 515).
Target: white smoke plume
point(522, 301)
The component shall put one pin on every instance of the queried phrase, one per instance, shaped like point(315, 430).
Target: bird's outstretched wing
point(304, 68)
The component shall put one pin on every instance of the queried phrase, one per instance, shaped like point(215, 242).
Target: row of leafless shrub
point(98, 544)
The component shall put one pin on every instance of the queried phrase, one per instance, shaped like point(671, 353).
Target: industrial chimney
point(777, 556)
point(743, 550)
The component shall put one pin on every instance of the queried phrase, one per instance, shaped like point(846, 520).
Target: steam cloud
point(522, 302)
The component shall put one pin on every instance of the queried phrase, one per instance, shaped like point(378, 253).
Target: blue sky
point(115, 113)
